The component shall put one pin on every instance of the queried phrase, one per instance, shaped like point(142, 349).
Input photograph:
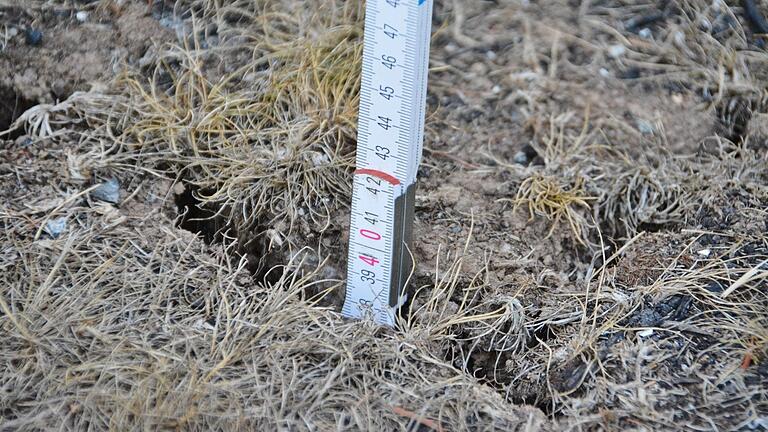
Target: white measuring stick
point(389, 146)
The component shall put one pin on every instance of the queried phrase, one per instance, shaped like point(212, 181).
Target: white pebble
point(645, 333)
point(679, 38)
point(82, 16)
point(704, 252)
point(645, 33)
point(496, 89)
point(616, 51)
point(490, 55)
point(605, 73)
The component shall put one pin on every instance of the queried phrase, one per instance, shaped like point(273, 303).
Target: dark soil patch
point(12, 105)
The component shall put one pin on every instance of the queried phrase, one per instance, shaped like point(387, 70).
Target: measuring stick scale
point(389, 147)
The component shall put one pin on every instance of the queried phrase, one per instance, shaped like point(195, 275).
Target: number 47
point(390, 31)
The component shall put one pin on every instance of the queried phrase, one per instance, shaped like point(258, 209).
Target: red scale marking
point(379, 174)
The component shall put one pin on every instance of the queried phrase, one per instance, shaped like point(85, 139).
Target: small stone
point(82, 16)
point(490, 55)
point(645, 333)
point(645, 33)
point(645, 127)
point(616, 51)
point(521, 158)
point(23, 141)
point(705, 25)
point(704, 252)
point(55, 227)
point(679, 38)
point(108, 192)
point(496, 89)
point(34, 37)
point(605, 73)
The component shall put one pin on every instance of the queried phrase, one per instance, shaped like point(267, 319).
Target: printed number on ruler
point(386, 103)
point(371, 242)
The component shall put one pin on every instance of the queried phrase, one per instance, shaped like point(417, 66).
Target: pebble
point(645, 333)
point(23, 141)
point(616, 51)
point(521, 158)
point(108, 191)
point(55, 227)
point(705, 25)
point(645, 33)
point(34, 37)
point(645, 127)
point(82, 16)
point(605, 73)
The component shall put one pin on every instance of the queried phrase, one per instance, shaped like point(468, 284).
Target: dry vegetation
point(600, 165)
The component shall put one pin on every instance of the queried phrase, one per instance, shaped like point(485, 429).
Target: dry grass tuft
point(546, 196)
point(270, 142)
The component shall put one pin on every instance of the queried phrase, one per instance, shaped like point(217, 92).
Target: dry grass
point(545, 196)
point(136, 326)
point(270, 141)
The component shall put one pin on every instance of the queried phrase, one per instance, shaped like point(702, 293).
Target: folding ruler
point(389, 146)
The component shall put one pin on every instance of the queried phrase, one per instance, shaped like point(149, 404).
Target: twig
point(417, 418)
point(747, 277)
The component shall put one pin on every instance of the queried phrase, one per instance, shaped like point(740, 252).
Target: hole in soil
point(12, 105)
point(199, 218)
point(491, 368)
point(211, 222)
point(733, 117)
point(543, 334)
point(654, 227)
